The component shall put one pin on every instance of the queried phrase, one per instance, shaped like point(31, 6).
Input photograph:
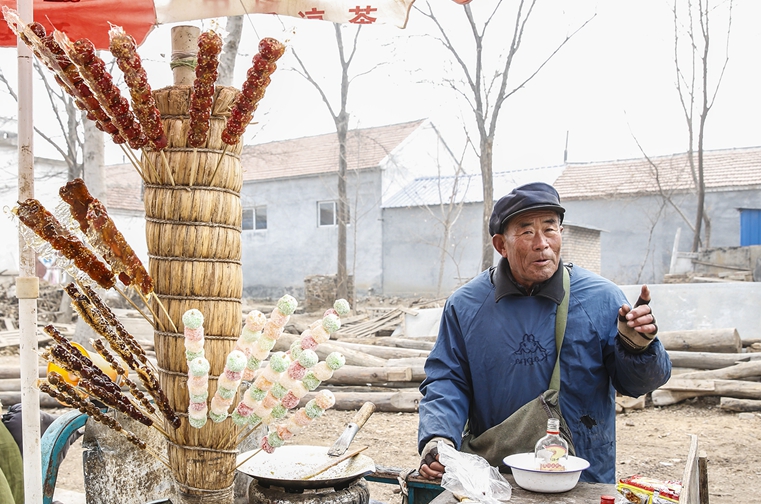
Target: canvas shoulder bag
point(519, 432)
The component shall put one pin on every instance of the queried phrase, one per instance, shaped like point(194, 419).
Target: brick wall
point(320, 292)
point(581, 246)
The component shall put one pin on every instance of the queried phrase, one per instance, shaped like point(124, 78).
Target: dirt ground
point(651, 442)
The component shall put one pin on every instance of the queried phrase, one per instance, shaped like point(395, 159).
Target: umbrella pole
point(27, 286)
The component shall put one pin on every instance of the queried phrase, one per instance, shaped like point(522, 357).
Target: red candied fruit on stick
point(201, 98)
point(271, 49)
point(257, 79)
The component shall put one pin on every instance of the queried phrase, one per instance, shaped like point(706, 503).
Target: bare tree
point(341, 116)
point(448, 211)
point(68, 119)
point(486, 78)
point(692, 48)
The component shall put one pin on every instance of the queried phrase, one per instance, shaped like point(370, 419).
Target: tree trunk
point(739, 405)
point(359, 375)
point(736, 372)
point(703, 340)
point(342, 130)
point(487, 182)
point(94, 161)
point(342, 278)
point(404, 400)
point(234, 28)
point(679, 390)
point(709, 360)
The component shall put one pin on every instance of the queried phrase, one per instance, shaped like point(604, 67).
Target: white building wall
point(293, 246)
point(638, 233)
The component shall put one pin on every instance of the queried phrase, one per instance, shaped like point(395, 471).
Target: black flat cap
point(533, 196)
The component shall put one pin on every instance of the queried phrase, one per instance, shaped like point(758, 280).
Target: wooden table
point(583, 493)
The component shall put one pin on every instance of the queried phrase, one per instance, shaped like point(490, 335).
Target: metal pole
point(27, 286)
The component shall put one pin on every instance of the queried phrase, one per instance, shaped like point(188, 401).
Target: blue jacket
point(496, 351)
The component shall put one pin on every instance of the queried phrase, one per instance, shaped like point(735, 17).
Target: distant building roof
point(319, 154)
point(124, 188)
point(723, 169)
point(466, 188)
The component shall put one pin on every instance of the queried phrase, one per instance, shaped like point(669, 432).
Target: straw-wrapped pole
point(193, 236)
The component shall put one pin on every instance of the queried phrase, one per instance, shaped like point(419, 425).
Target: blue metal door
point(750, 227)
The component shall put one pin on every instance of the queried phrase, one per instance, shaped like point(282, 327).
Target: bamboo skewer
point(229, 432)
point(133, 160)
point(334, 463)
point(249, 458)
point(147, 305)
point(158, 457)
point(152, 166)
point(219, 162)
point(243, 438)
point(166, 165)
point(193, 168)
point(163, 308)
point(126, 297)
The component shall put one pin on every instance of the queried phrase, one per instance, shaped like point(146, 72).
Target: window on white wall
point(248, 219)
point(326, 213)
point(255, 218)
point(260, 217)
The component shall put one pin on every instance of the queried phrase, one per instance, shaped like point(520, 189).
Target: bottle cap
point(607, 499)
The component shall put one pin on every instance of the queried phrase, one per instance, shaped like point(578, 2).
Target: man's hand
point(430, 467)
point(636, 326)
point(640, 318)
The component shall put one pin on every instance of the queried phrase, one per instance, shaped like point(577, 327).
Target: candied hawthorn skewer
point(201, 97)
point(38, 219)
point(47, 50)
point(74, 361)
point(98, 316)
point(263, 65)
point(93, 70)
point(102, 233)
point(92, 379)
point(94, 221)
point(58, 389)
point(100, 347)
point(116, 251)
point(202, 93)
point(252, 91)
point(114, 322)
point(124, 49)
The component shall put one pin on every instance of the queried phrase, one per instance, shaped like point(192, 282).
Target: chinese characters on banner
point(360, 15)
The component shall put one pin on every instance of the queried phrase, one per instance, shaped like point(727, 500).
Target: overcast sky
point(613, 81)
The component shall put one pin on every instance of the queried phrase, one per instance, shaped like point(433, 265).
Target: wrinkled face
point(531, 243)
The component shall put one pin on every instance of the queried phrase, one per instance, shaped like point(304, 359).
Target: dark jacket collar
point(505, 284)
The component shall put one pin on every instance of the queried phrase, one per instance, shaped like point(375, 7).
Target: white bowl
point(528, 476)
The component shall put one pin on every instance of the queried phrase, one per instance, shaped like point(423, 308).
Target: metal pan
point(287, 465)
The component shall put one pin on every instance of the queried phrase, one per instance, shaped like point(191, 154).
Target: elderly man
point(496, 348)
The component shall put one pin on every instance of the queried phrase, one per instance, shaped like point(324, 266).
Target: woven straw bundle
point(193, 235)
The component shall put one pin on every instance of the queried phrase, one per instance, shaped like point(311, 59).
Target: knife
point(345, 439)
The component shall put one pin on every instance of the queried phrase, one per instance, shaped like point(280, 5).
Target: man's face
point(531, 243)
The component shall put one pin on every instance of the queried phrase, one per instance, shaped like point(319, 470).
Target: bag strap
point(561, 317)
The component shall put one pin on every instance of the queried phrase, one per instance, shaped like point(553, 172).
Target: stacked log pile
point(712, 363)
point(388, 370)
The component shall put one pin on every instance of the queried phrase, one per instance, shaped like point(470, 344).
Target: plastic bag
point(471, 476)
